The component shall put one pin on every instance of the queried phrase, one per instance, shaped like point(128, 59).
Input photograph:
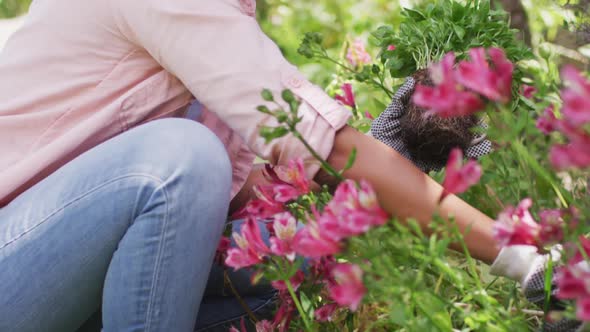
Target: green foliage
point(421, 286)
point(434, 29)
point(12, 8)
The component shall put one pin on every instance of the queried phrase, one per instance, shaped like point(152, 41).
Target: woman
point(98, 207)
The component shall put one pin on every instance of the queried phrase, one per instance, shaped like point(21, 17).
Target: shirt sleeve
point(222, 56)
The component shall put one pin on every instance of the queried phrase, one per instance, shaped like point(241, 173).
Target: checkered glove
point(523, 264)
point(386, 128)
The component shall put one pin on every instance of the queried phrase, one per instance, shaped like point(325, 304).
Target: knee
point(187, 149)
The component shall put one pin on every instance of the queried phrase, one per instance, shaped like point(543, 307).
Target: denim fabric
point(131, 225)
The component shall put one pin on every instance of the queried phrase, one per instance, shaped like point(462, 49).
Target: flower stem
point(308, 326)
point(327, 167)
point(378, 84)
point(239, 298)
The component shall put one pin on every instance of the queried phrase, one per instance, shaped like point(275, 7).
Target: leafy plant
point(431, 30)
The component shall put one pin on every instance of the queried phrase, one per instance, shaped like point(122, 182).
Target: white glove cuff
point(517, 262)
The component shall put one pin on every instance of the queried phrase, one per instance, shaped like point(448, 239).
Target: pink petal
point(574, 154)
point(348, 98)
point(585, 243)
point(264, 326)
point(295, 280)
point(528, 91)
point(348, 288)
point(294, 174)
point(446, 101)
point(325, 313)
point(495, 84)
point(442, 72)
point(314, 246)
point(551, 222)
point(459, 178)
point(347, 88)
point(583, 309)
point(285, 226)
point(284, 193)
point(238, 258)
point(573, 281)
point(548, 122)
point(357, 54)
point(516, 226)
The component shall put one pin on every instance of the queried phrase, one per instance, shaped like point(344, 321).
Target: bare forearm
point(406, 192)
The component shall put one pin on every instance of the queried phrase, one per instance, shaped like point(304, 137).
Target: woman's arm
point(405, 192)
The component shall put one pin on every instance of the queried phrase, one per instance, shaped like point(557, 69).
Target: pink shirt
point(80, 72)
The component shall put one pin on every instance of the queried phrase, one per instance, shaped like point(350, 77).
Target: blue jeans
point(130, 226)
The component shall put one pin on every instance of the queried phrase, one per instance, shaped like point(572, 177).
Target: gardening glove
point(386, 128)
point(522, 263)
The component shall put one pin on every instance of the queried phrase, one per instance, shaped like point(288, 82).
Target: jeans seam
point(76, 199)
point(156, 276)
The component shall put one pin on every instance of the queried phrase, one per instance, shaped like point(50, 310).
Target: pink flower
point(295, 280)
point(283, 316)
point(348, 98)
point(265, 205)
point(287, 183)
point(583, 309)
point(446, 99)
point(551, 223)
point(294, 174)
point(579, 257)
point(391, 48)
point(348, 288)
point(325, 313)
point(459, 177)
point(251, 248)
point(573, 282)
point(285, 227)
point(528, 91)
point(352, 211)
point(548, 122)
point(320, 268)
point(574, 154)
point(284, 193)
point(369, 115)
point(248, 7)
point(517, 226)
point(264, 326)
point(357, 55)
point(493, 83)
point(239, 258)
point(242, 327)
point(311, 242)
point(576, 98)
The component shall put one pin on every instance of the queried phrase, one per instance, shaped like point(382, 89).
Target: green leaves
point(415, 15)
point(433, 29)
point(267, 95)
point(271, 133)
point(311, 45)
point(350, 161)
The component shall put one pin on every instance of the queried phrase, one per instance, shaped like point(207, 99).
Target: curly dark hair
point(431, 138)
